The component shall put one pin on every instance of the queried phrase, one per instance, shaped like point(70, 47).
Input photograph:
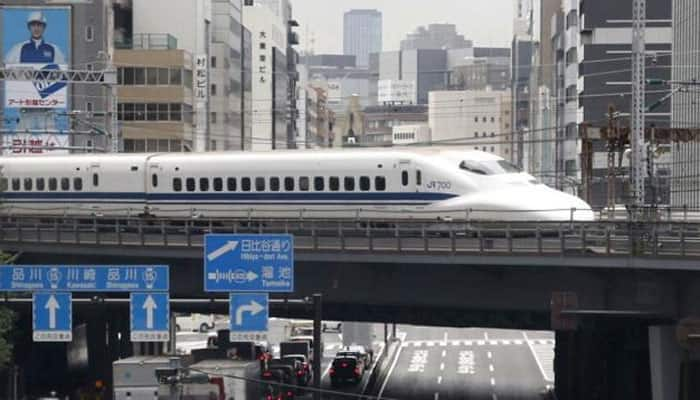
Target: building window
point(484, 119)
point(213, 62)
point(476, 120)
point(175, 112)
point(139, 76)
point(176, 77)
point(571, 19)
point(88, 106)
point(263, 45)
point(213, 89)
point(493, 119)
point(262, 58)
point(163, 76)
point(213, 117)
point(89, 33)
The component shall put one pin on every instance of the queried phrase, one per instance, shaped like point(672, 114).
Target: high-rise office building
point(685, 108)
point(435, 36)
point(362, 34)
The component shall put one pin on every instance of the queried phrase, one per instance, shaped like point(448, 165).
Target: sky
point(487, 23)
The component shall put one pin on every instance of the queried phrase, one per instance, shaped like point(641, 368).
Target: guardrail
point(375, 236)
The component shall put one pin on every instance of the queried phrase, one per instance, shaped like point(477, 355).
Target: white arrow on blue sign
point(150, 317)
point(52, 317)
point(249, 314)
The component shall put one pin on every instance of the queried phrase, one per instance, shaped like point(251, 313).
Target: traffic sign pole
point(318, 316)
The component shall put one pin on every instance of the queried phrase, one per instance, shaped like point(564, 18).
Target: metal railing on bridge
point(660, 239)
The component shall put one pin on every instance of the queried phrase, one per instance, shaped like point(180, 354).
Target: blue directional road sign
point(84, 278)
point(249, 263)
point(150, 317)
point(52, 317)
point(248, 313)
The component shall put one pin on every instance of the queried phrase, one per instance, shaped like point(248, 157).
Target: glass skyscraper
point(362, 34)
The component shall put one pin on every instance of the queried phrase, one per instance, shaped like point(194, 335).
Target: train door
point(407, 171)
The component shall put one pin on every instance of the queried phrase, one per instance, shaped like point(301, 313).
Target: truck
point(135, 377)
point(219, 379)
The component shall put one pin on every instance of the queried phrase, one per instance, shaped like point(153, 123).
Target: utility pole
point(637, 161)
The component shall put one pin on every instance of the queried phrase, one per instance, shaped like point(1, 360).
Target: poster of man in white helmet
point(36, 38)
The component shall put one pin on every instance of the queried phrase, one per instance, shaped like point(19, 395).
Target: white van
point(195, 323)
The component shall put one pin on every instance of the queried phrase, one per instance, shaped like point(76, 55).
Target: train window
point(349, 184)
point(334, 183)
point(65, 184)
point(95, 180)
point(15, 184)
point(203, 184)
point(154, 180)
point(304, 184)
point(364, 183)
point(53, 184)
point(259, 184)
point(40, 184)
point(218, 184)
point(419, 178)
point(28, 184)
point(231, 184)
point(191, 184)
point(379, 183)
point(177, 184)
point(77, 184)
point(3, 184)
point(245, 184)
point(274, 184)
point(289, 184)
point(404, 178)
point(319, 184)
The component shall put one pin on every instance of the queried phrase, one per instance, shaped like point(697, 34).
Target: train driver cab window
point(77, 184)
point(53, 184)
point(289, 184)
point(40, 184)
point(334, 183)
point(65, 184)
point(191, 184)
point(154, 180)
point(95, 180)
point(304, 183)
point(364, 183)
point(259, 184)
point(218, 184)
point(379, 183)
point(404, 178)
point(349, 184)
point(15, 184)
point(319, 184)
point(274, 184)
point(245, 184)
point(231, 184)
point(177, 185)
point(28, 184)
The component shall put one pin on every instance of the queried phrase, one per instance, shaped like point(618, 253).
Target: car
point(304, 371)
point(202, 323)
point(288, 372)
point(356, 351)
point(346, 369)
point(272, 378)
point(332, 326)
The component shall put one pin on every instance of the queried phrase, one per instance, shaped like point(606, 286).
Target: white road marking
point(506, 342)
point(537, 360)
point(491, 367)
point(430, 344)
point(444, 353)
point(486, 335)
point(493, 342)
point(481, 342)
point(444, 339)
point(442, 366)
point(388, 375)
point(518, 342)
point(325, 372)
point(489, 355)
point(467, 343)
point(457, 343)
point(493, 381)
point(439, 379)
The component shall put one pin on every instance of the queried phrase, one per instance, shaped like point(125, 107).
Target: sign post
point(150, 317)
point(52, 317)
point(249, 314)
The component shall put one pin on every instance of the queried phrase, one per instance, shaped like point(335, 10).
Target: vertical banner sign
point(201, 98)
point(35, 112)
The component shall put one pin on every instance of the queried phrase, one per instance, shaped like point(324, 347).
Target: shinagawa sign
point(84, 278)
point(249, 263)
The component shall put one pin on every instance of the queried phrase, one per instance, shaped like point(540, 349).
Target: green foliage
point(7, 320)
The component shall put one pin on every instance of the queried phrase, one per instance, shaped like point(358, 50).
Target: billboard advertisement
point(397, 91)
point(36, 38)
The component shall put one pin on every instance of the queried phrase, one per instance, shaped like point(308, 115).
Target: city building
point(319, 119)
point(426, 67)
point(76, 118)
point(411, 134)
point(380, 121)
point(270, 80)
point(478, 119)
point(362, 34)
point(479, 68)
point(685, 188)
point(522, 50)
point(594, 73)
point(435, 36)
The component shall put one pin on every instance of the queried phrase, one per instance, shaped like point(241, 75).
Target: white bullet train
point(419, 184)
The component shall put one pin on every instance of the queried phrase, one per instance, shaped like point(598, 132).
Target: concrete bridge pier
point(603, 363)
